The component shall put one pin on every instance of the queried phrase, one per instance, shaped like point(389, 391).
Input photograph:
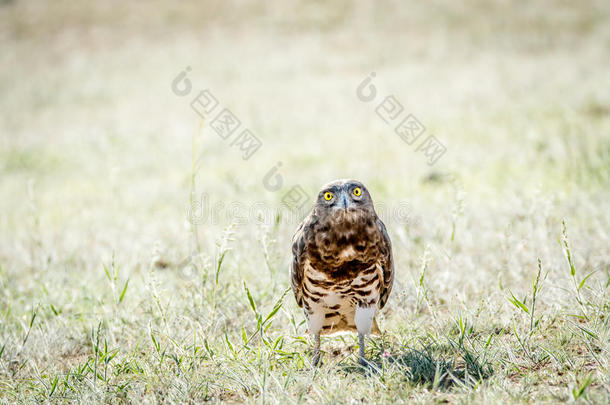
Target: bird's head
point(345, 198)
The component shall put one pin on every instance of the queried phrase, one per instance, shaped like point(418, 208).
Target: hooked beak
point(344, 201)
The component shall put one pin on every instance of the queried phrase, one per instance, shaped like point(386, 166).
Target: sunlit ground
point(131, 231)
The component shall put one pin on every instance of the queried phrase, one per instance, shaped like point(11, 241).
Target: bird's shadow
point(430, 366)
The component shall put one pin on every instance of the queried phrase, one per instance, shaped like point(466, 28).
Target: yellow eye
point(357, 192)
point(328, 196)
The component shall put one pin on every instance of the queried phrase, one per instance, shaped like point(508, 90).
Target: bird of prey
point(342, 268)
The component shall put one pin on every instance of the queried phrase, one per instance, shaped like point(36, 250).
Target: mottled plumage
point(342, 269)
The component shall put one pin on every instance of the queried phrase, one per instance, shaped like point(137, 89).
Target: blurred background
point(100, 157)
point(517, 94)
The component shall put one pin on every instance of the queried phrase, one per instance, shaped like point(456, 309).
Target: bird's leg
point(316, 350)
point(363, 318)
point(361, 343)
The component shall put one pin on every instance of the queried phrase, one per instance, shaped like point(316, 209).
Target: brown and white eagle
point(342, 268)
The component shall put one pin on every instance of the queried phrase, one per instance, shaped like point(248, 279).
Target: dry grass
point(109, 294)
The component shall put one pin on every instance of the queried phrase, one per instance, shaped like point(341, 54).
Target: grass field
point(142, 259)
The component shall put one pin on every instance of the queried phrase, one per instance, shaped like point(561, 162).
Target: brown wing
point(387, 264)
point(296, 270)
